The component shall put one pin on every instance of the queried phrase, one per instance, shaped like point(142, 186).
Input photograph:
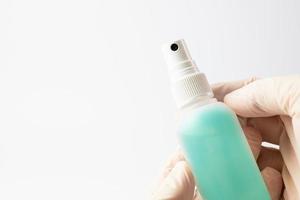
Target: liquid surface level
point(219, 155)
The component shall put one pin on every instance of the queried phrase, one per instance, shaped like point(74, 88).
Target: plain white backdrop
point(85, 106)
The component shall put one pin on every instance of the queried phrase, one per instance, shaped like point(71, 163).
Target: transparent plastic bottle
point(210, 135)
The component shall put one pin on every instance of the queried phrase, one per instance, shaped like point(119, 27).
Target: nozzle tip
point(176, 52)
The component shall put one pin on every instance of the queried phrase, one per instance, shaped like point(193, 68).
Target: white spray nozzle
point(178, 58)
point(188, 83)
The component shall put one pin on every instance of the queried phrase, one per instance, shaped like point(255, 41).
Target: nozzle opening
point(174, 47)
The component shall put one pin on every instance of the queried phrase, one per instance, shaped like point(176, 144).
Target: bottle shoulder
point(209, 116)
point(215, 107)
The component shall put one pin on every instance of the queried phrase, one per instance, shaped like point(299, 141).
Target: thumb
point(178, 185)
point(267, 97)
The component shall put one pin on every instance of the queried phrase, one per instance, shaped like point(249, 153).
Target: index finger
point(222, 89)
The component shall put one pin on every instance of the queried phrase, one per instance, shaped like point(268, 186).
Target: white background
point(85, 106)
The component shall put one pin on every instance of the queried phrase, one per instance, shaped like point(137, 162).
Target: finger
point(221, 89)
point(178, 185)
point(291, 191)
point(269, 97)
point(290, 159)
point(270, 157)
point(197, 196)
point(273, 182)
point(254, 139)
point(172, 161)
point(266, 97)
point(289, 147)
point(270, 128)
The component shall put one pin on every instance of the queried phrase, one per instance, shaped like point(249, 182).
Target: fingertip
point(170, 164)
point(238, 101)
point(178, 185)
point(183, 170)
point(243, 101)
point(222, 89)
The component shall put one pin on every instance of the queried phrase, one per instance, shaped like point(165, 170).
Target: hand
point(269, 110)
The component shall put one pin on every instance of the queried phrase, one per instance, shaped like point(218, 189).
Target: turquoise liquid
point(219, 155)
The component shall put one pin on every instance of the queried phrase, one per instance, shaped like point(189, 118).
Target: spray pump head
point(188, 83)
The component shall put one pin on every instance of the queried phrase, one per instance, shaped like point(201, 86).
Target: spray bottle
point(211, 137)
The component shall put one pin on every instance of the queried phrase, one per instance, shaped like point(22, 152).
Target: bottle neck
point(190, 88)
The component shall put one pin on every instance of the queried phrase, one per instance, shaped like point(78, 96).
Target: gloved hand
point(269, 110)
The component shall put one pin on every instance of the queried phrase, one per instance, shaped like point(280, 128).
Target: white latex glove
point(262, 105)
